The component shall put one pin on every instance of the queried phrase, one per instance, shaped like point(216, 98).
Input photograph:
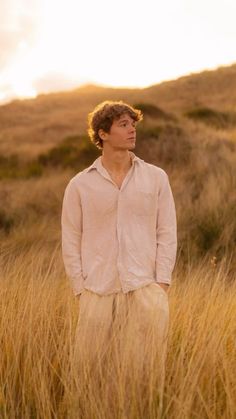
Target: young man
point(119, 242)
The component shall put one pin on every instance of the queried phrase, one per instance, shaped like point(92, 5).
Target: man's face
point(122, 134)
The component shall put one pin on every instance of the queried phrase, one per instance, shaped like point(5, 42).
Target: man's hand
point(78, 295)
point(164, 286)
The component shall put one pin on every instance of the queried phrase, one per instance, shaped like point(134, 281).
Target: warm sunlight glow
point(23, 90)
point(61, 45)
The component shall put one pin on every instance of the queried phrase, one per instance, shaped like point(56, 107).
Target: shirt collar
point(97, 164)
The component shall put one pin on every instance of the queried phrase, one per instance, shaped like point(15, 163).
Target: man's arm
point(166, 234)
point(71, 229)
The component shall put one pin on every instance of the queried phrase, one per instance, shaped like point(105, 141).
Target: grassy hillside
point(196, 146)
point(189, 130)
point(32, 126)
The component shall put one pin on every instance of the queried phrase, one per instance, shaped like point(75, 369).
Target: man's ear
point(102, 134)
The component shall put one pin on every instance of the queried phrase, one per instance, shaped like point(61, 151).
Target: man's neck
point(117, 163)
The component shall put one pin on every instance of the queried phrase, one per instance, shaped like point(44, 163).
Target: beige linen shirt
point(118, 239)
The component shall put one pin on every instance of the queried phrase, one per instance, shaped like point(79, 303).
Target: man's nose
point(132, 128)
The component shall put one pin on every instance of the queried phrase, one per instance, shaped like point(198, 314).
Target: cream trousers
point(124, 335)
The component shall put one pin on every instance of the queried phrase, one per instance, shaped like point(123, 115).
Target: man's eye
point(124, 124)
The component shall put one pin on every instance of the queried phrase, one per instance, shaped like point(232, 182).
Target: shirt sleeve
point(166, 233)
point(71, 232)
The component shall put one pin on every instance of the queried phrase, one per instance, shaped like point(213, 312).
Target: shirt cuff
point(77, 285)
point(163, 281)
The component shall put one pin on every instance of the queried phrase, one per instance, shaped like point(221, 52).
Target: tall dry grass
point(39, 315)
point(37, 309)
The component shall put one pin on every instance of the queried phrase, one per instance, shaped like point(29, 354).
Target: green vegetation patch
point(144, 132)
point(12, 168)
point(212, 117)
point(209, 230)
point(76, 152)
point(6, 221)
point(168, 141)
point(9, 166)
point(153, 111)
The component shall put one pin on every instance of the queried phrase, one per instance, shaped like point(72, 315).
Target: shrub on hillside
point(146, 132)
point(212, 117)
point(12, 168)
point(153, 111)
point(9, 166)
point(32, 169)
point(168, 143)
point(6, 221)
point(75, 152)
point(61, 155)
point(208, 232)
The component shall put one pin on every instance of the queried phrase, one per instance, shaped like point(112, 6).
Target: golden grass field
point(38, 320)
point(189, 130)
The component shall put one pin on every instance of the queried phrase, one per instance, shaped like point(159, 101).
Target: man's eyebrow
point(124, 120)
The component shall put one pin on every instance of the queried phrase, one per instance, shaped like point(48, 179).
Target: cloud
point(6, 93)
point(54, 82)
point(19, 23)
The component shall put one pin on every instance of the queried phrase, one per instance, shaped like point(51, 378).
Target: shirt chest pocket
point(143, 203)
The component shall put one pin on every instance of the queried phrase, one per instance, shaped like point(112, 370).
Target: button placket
point(119, 265)
point(118, 230)
point(107, 176)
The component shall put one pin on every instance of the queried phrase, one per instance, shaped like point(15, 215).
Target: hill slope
point(35, 125)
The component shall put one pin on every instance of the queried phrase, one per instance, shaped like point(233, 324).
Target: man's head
point(113, 123)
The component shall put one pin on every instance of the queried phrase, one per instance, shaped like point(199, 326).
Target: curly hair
point(104, 114)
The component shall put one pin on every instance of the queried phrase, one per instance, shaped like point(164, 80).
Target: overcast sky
point(50, 45)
